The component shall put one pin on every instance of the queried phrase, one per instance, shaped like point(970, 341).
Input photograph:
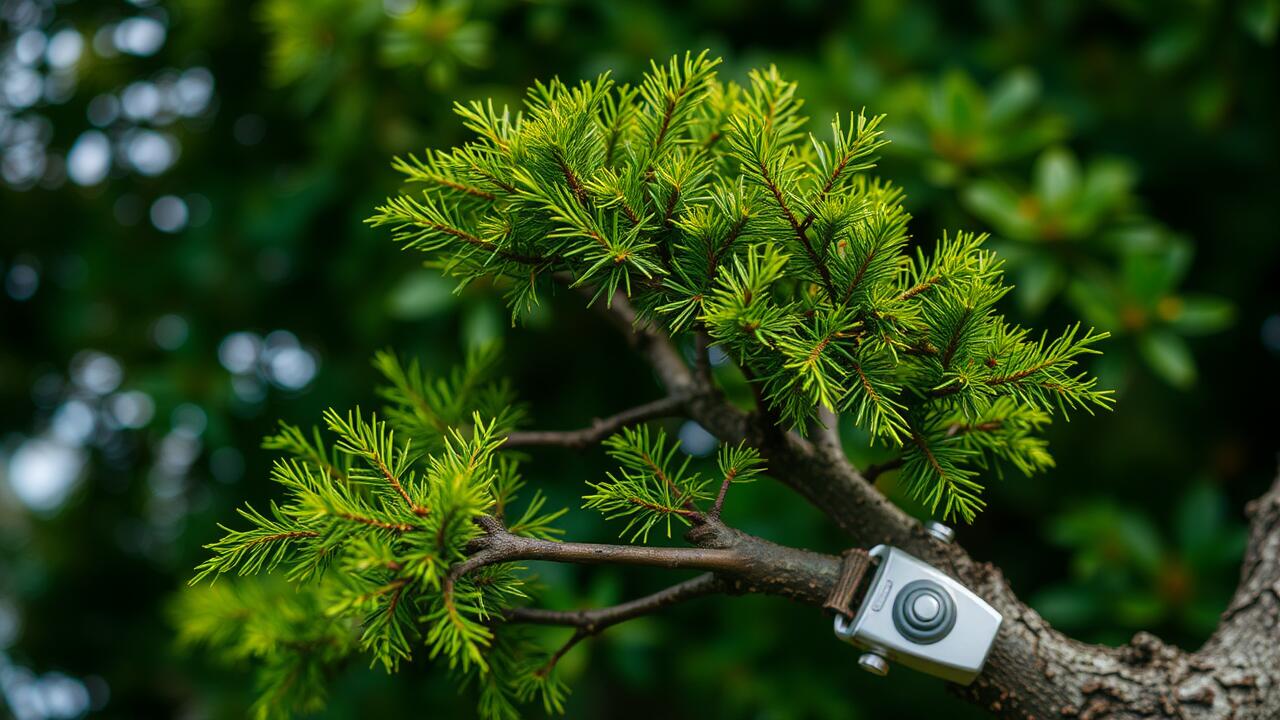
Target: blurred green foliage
point(1129, 571)
point(1124, 154)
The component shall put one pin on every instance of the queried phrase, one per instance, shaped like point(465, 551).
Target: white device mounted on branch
point(916, 615)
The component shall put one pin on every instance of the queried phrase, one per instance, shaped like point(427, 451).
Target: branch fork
point(1033, 670)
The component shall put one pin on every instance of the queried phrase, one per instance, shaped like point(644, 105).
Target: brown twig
point(746, 563)
point(724, 490)
point(669, 406)
point(501, 546)
point(587, 623)
point(373, 522)
point(873, 472)
point(597, 619)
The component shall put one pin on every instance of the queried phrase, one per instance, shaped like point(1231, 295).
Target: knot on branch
point(1147, 649)
point(494, 532)
point(710, 532)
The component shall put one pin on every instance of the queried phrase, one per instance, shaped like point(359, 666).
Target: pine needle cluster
point(709, 205)
point(367, 533)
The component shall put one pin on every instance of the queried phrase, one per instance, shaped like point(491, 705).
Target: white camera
point(916, 615)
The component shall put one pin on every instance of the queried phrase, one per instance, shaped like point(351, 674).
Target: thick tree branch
point(601, 428)
point(738, 563)
point(826, 432)
point(1034, 670)
point(741, 562)
point(652, 343)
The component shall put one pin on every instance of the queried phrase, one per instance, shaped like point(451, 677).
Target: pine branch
point(617, 119)
point(650, 487)
point(435, 172)
point(788, 255)
point(248, 552)
point(753, 142)
point(849, 154)
point(421, 225)
point(292, 440)
point(671, 95)
point(685, 205)
point(375, 444)
point(935, 474)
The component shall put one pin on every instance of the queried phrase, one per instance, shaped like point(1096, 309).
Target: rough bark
point(1034, 671)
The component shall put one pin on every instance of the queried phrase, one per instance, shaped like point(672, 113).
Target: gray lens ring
point(923, 631)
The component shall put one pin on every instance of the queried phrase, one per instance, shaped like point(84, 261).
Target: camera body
point(918, 616)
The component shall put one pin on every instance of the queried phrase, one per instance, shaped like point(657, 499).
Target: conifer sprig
point(393, 523)
point(424, 408)
point(652, 486)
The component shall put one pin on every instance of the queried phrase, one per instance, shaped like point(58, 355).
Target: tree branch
point(702, 356)
point(1036, 671)
point(873, 472)
point(652, 343)
point(501, 547)
point(826, 432)
point(601, 428)
point(741, 562)
point(724, 490)
point(1033, 670)
point(596, 620)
